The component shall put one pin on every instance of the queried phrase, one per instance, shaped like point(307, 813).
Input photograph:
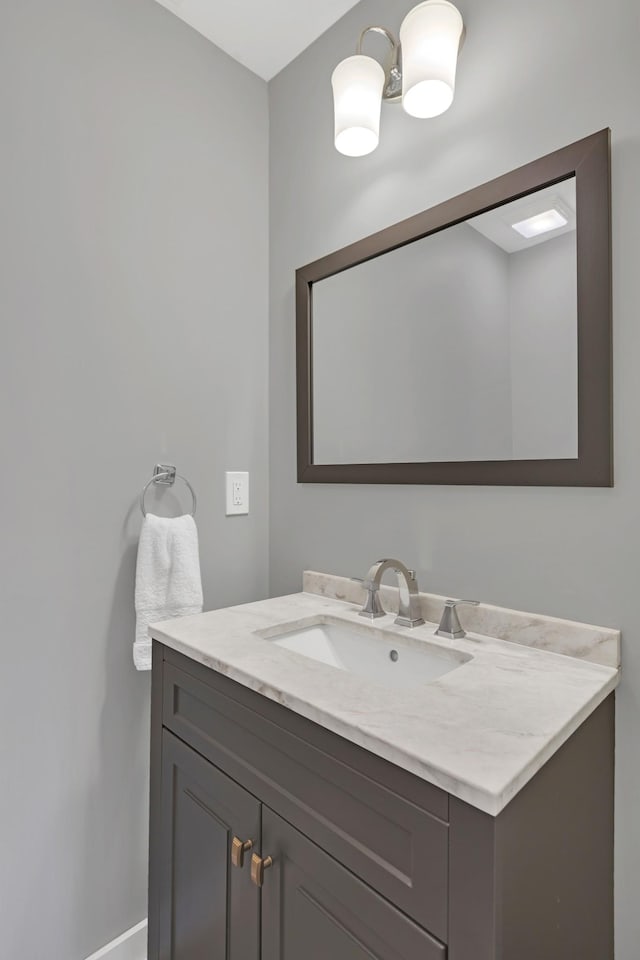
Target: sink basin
point(372, 654)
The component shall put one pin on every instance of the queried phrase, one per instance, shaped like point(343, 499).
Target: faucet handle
point(372, 609)
point(449, 626)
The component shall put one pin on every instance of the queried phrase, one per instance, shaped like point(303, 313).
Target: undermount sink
point(372, 654)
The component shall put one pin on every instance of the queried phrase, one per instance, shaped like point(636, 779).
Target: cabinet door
point(209, 909)
point(315, 909)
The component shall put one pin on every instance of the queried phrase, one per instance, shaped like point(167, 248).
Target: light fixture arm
point(392, 92)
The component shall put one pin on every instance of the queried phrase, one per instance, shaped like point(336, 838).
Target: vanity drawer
point(385, 825)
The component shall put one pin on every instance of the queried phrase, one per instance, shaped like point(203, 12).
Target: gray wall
point(572, 553)
point(544, 350)
point(411, 355)
point(134, 197)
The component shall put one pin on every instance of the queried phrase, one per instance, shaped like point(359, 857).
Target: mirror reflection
point(461, 346)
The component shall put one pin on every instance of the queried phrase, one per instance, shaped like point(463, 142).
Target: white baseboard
point(132, 945)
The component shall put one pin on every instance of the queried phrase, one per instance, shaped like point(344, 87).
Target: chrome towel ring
point(166, 475)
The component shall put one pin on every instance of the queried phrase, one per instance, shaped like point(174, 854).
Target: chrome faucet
point(409, 605)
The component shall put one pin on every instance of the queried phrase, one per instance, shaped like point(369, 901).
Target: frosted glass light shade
point(357, 84)
point(430, 38)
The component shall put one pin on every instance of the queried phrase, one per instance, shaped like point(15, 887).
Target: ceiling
point(497, 225)
point(264, 35)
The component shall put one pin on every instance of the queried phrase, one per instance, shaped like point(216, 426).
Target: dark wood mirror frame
point(589, 161)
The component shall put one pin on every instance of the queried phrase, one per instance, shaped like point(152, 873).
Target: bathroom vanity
point(309, 801)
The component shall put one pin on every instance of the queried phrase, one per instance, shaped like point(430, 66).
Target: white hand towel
point(168, 582)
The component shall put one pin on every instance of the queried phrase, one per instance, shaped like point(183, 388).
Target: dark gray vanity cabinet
point(208, 907)
point(315, 909)
point(356, 859)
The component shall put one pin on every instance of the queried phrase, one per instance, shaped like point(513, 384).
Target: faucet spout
point(409, 602)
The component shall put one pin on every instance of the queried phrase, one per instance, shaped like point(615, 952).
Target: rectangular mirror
point(469, 344)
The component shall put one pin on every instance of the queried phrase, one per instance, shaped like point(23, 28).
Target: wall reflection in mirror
point(461, 346)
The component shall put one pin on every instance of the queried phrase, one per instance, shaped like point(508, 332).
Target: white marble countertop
point(480, 732)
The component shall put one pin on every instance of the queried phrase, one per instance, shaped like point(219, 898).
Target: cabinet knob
point(238, 850)
point(258, 867)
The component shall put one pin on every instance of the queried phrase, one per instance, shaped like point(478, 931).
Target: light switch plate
point(237, 494)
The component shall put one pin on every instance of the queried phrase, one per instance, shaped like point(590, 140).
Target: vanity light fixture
point(540, 223)
point(420, 71)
